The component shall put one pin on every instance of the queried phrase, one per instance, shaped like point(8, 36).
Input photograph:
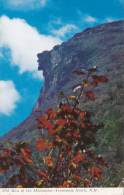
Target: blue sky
point(28, 27)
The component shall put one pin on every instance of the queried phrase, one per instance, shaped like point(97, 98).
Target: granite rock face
point(92, 47)
point(100, 46)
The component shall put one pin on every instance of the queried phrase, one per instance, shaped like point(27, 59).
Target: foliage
point(64, 146)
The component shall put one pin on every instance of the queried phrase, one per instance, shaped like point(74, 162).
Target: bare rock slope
point(100, 46)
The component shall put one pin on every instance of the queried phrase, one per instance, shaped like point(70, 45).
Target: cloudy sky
point(28, 27)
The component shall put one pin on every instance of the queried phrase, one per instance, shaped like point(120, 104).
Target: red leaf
point(72, 123)
point(79, 158)
point(98, 172)
point(18, 161)
point(95, 172)
point(59, 139)
point(78, 72)
point(92, 172)
point(82, 116)
point(23, 152)
point(40, 126)
point(50, 144)
point(2, 171)
point(97, 79)
point(65, 107)
point(44, 122)
point(49, 160)
point(51, 132)
point(77, 176)
point(65, 184)
point(68, 134)
point(43, 119)
point(58, 166)
point(70, 152)
point(26, 155)
point(62, 159)
point(42, 144)
point(51, 113)
point(101, 161)
point(47, 124)
point(103, 79)
point(28, 150)
point(94, 83)
point(83, 157)
point(60, 186)
point(61, 122)
point(90, 95)
point(29, 160)
point(51, 128)
point(76, 135)
point(44, 174)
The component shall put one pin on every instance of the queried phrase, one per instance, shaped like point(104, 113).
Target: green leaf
point(84, 81)
point(9, 143)
point(28, 142)
point(69, 99)
point(61, 95)
point(19, 142)
point(57, 97)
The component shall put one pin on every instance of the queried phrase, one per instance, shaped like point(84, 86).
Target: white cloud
point(9, 96)
point(24, 43)
point(110, 19)
point(62, 31)
point(25, 4)
point(43, 2)
point(90, 19)
point(16, 2)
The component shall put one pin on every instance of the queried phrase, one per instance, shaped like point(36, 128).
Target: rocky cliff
point(100, 46)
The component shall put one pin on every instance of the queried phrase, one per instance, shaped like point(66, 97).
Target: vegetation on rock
point(64, 155)
point(98, 46)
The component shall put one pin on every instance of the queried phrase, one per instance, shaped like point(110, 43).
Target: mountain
point(100, 46)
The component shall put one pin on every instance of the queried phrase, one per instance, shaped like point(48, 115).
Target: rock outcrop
point(100, 46)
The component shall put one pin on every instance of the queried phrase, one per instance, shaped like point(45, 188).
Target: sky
point(28, 27)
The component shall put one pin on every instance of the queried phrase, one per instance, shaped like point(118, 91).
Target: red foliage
point(43, 174)
point(90, 95)
point(78, 73)
point(61, 122)
point(97, 79)
point(79, 158)
point(51, 113)
point(42, 144)
point(64, 151)
point(49, 160)
point(95, 172)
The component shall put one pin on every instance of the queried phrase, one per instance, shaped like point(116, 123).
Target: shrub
point(66, 159)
